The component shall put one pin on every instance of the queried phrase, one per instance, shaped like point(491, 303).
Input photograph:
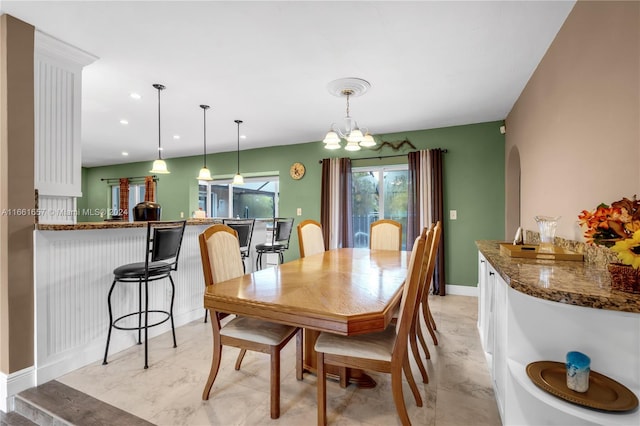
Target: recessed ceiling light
point(176, 136)
point(123, 121)
point(243, 136)
point(160, 149)
point(125, 153)
point(134, 95)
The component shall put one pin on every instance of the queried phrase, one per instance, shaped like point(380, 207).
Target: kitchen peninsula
point(538, 310)
point(73, 272)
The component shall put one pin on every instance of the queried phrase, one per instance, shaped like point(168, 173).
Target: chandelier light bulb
point(352, 146)
point(331, 138)
point(368, 141)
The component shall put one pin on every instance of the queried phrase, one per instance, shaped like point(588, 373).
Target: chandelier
point(351, 133)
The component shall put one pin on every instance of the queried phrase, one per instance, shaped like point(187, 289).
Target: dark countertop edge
point(87, 226)
point(615, 301)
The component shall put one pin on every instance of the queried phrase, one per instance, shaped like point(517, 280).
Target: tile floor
point(169, 392)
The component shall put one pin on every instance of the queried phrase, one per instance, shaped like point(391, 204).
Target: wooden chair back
point(220, 254)
point(385, 234)
point(310, 238)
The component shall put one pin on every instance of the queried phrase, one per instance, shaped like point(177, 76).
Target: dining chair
point(426, 311)
point(162, 250)
point(310, 238)
point(385, 234)
point(384, 351)
point(280, 236)
point(244, 228)
point(221, 261)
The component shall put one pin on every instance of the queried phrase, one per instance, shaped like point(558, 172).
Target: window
point(257, 197)
point(136, 195)
point(378, 193)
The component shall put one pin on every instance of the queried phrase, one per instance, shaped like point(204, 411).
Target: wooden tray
point(531, 252)
point(603, 394)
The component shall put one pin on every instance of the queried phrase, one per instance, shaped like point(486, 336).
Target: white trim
point(14, 383)
point(48, 45)
point(461, 290)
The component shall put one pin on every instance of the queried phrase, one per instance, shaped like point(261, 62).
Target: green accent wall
point(473, 184)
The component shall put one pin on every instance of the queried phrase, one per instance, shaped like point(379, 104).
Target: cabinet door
point(499, 367)
point(485, 302)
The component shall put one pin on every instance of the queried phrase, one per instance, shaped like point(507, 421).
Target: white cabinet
point(517, 329)
point(492, 326)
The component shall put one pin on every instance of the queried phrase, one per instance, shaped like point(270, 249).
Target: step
point(14, 419)
point(56, 404)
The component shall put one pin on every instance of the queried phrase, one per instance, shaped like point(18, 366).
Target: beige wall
point(16, 192)
point(576, 125)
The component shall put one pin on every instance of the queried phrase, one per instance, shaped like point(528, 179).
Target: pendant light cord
point(238, 151)
point(204, 143)
point(159, 87)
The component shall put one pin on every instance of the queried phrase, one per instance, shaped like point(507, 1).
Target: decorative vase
point(624, 278)
point(547, 226)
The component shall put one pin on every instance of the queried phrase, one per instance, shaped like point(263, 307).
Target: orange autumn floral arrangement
point(616, 226)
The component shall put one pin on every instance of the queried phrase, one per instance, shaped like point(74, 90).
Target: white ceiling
point(431, 64)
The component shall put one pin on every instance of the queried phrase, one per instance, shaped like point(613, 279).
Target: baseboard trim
point(461, 290)
point(14, 383)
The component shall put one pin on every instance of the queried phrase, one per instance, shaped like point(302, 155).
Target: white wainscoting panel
point(74, 271)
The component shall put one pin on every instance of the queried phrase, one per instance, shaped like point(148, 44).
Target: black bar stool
point(280, 237)
point(162, 250)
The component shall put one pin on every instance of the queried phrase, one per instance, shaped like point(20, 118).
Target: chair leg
point(146, 324)
point(259, 261)
point(139, 310)
point(412, 383)
point(398, 397)
point(275, 382)
point(431, 324)
point(322, 390)
point(106, 351)
point(423, 343)
point(173, 294)
point(215, 363)
point(240, 358)
point(416, 354)
point(205, 315)
point(299, 361)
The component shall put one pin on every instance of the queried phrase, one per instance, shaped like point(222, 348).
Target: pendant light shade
point(204, 174)
point(238, 179)
point(159, 166)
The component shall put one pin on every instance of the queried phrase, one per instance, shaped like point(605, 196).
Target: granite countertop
point(572, 282)
point(83, 226)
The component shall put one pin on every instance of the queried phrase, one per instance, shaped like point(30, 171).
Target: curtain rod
point(155, 178)
point(381, 157)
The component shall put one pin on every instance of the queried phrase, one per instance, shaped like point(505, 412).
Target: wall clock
point(297, 171)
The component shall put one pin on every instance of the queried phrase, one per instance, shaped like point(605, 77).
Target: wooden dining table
point(346, 291)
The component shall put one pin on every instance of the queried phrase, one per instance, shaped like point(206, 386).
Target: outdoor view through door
point(378, 193)
point(255, 198)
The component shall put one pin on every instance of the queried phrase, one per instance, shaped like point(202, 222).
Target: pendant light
point(238, 179)
point(204, 174)
point(159, 166)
